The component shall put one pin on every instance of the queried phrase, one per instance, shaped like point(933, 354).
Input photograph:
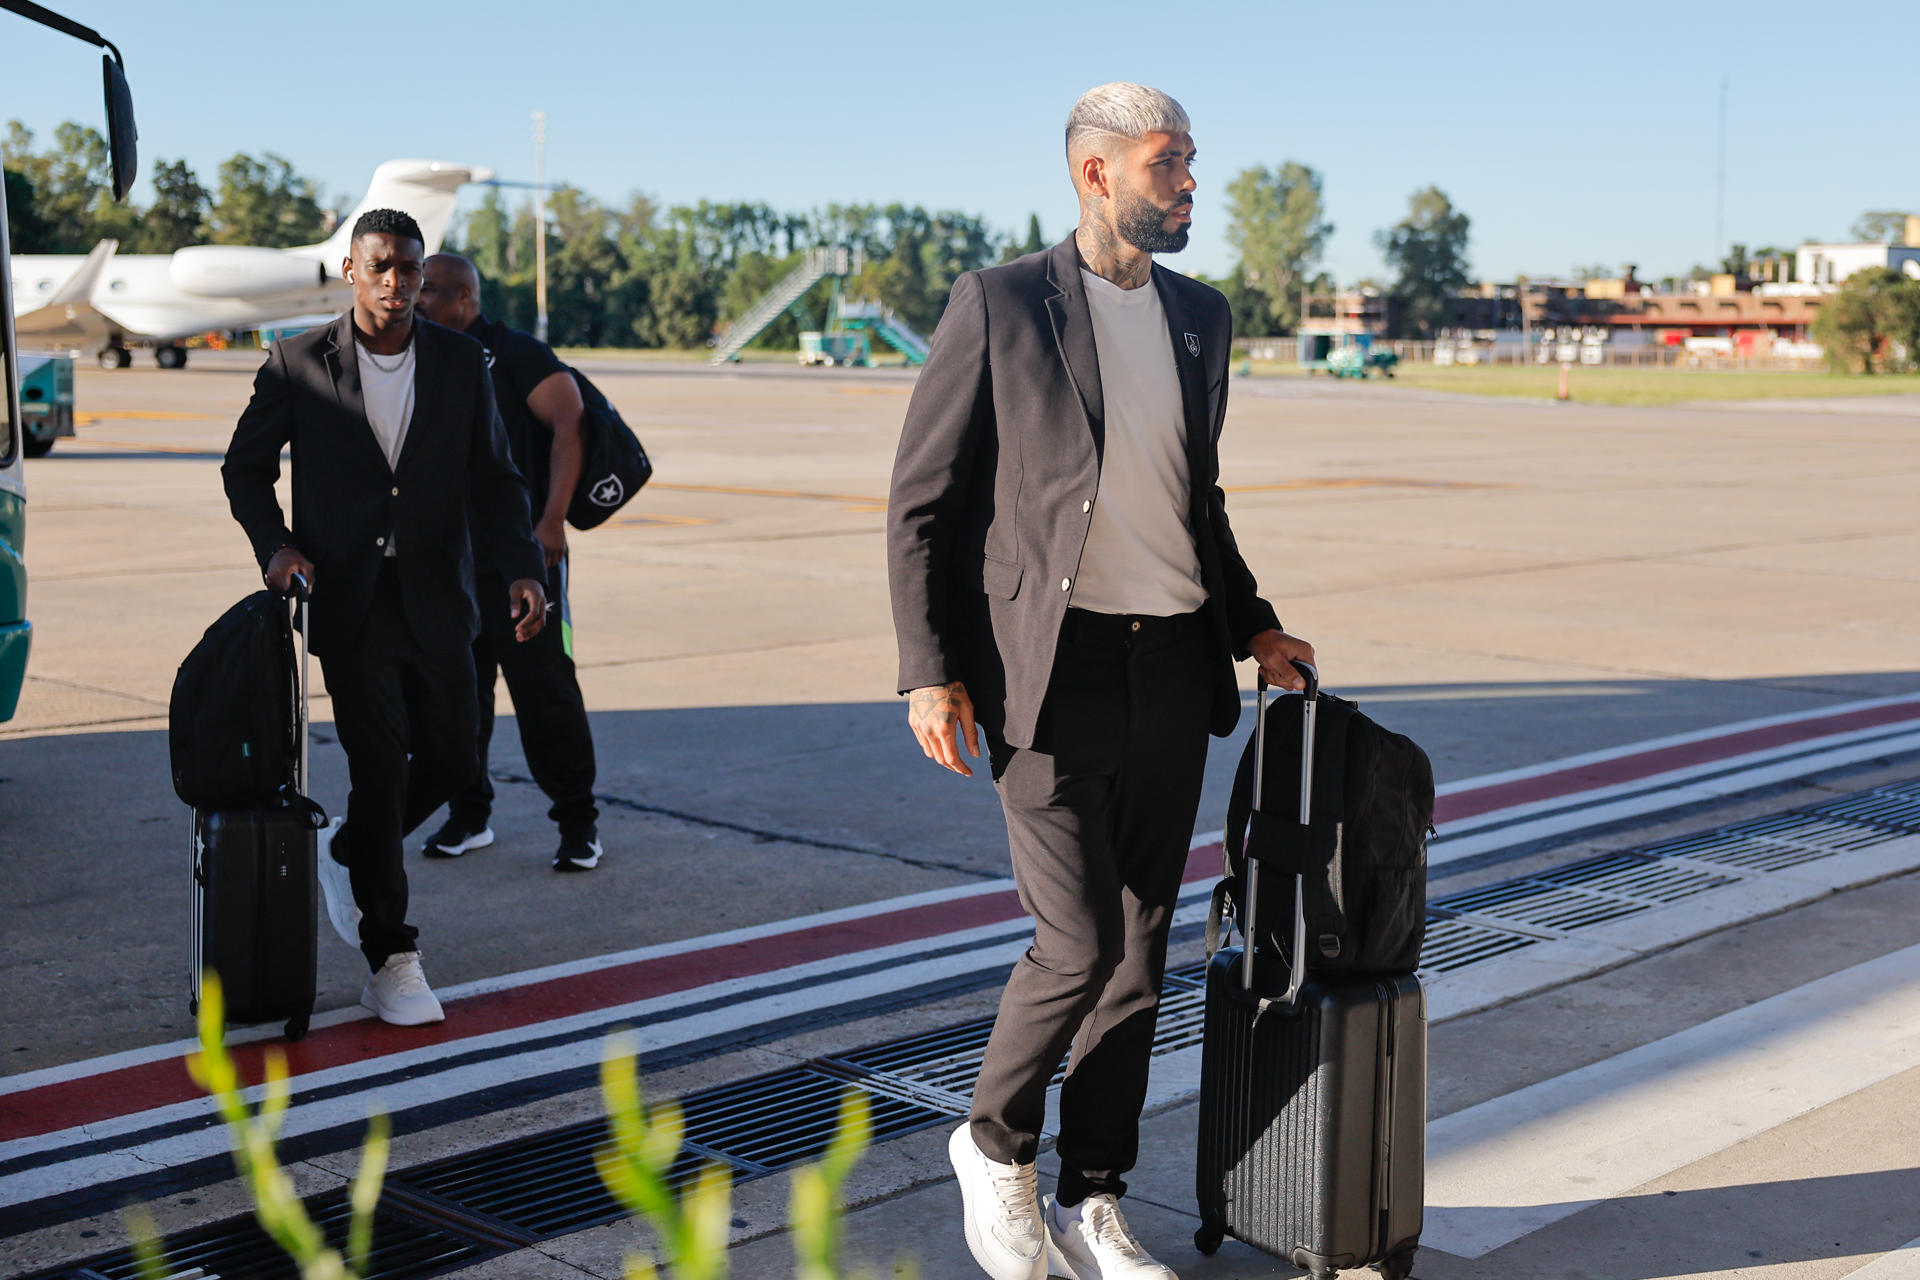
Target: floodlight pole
point(540, 225)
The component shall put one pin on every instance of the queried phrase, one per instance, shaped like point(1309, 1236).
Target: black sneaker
point(577, 853)
point(456, 838)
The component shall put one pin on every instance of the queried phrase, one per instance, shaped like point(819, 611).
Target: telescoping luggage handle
point(1296, 962)
point(297, 588)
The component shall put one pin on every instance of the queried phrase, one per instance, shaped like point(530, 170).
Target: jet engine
point(242, 271)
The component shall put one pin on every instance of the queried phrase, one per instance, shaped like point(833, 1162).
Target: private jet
point(107, 301)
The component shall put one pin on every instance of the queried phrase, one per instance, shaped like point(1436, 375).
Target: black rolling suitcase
point(1313, 1104)
point(253, 890)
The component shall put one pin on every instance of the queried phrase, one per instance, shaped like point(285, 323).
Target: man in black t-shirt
point(540, 404)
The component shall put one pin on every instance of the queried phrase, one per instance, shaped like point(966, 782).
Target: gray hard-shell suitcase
point(253, 893)
point(1312, 1143)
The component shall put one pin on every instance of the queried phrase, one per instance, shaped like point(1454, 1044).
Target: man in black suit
point(1064, 578)
point(395, 441)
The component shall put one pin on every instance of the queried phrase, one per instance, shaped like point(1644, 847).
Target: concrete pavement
point(1508, 582)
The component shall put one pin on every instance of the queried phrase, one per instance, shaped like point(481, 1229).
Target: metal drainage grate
point(1639, 877)
point(1454, 944)
point(547, 1185)
point(1740, 850)
point(543, 1186)
point(403, 1248)
point(1898, 810)
point(1542, 905)
point(780, 1120)
point(1817, 831)
point(1182, 1022)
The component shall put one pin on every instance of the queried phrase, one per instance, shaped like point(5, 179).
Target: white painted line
point(1510, 1166)
point(1674, 740)
point(56, 1177)
point(1671, 796)
point(1902, 1264)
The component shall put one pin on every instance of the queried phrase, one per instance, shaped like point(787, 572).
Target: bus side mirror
point(122, 135)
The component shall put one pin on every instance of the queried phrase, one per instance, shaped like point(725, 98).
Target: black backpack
point(1364, 855)
point(613, 465)
point(231, 723)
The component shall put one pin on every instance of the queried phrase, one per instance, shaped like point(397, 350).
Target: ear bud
point(349, 277)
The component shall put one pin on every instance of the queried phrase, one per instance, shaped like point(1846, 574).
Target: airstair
point(887, 325)
point(817, 265)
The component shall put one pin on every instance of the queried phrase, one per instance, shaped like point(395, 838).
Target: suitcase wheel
point(297, 1024)
point(1397, 1265)
point(1207, 1239)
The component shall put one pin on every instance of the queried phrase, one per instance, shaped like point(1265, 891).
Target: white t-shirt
point(386, 387)
point(1139, 556)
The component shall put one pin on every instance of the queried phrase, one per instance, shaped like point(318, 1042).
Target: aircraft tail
point(424, 188)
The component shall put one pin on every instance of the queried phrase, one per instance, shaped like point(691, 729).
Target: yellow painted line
point(641, 522)
point(142, 415)
point(741, 491)
point(1360, 482)
point(141, 446)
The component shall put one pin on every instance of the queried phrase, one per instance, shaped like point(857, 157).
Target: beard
point(1143, 224)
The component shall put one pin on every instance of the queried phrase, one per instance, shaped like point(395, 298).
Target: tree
point(1276, 221)
point(178, 215)
point(1889, 226)
point(265, 202)
point(1428, 251)
point(26, 230)
point(1736, 263)
point(1034, 242)
point(1872, 324)
point(69, 187)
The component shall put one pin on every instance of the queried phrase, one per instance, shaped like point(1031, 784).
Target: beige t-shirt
point(1139, 556)
point(386, 387)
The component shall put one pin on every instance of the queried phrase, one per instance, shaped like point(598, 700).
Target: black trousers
point(405, 715)
point(1100, 814)
point(554, 732)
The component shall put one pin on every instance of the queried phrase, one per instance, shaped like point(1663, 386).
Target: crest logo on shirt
point(1193, 344)
point(608, 492)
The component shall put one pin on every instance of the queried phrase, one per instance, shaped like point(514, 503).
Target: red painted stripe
point(127, 1090)
point(91, 1099)
point(1647, 764)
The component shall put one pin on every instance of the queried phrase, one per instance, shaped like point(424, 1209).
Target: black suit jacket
point(1000, 453)
point(347, 501)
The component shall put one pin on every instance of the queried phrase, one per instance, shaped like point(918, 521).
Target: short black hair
point(388, 222)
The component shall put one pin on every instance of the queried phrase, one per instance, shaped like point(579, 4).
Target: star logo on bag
point(1193, 344)
point(608, 492)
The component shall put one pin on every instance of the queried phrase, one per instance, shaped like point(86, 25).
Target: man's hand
point(286, 562)
point(1276, 652)
point(529, 608)
point(551, 534)
point(938, 715)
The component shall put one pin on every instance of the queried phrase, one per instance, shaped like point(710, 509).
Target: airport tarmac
point(1512, 583)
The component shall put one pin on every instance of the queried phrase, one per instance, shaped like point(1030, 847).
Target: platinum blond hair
point(1125, 110)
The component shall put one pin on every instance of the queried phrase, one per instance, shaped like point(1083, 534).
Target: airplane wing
point(68, 316)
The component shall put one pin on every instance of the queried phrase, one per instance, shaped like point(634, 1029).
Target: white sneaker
point(336, 886)
point(1096, 1245)
point(1001, 1206)
point(398, 993)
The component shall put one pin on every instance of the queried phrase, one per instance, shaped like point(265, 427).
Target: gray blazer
point(999, 460)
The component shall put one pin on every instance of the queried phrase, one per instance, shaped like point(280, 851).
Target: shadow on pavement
point(713, 818)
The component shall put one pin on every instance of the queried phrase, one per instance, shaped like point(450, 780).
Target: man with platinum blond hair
point(1064, 580)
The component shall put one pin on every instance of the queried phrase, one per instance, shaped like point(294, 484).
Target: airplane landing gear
point(170, 357)
point(115, 357)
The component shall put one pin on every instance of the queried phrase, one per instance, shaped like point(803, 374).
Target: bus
point(16, 632)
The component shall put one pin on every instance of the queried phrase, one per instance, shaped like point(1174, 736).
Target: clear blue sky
point(1570, 133)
